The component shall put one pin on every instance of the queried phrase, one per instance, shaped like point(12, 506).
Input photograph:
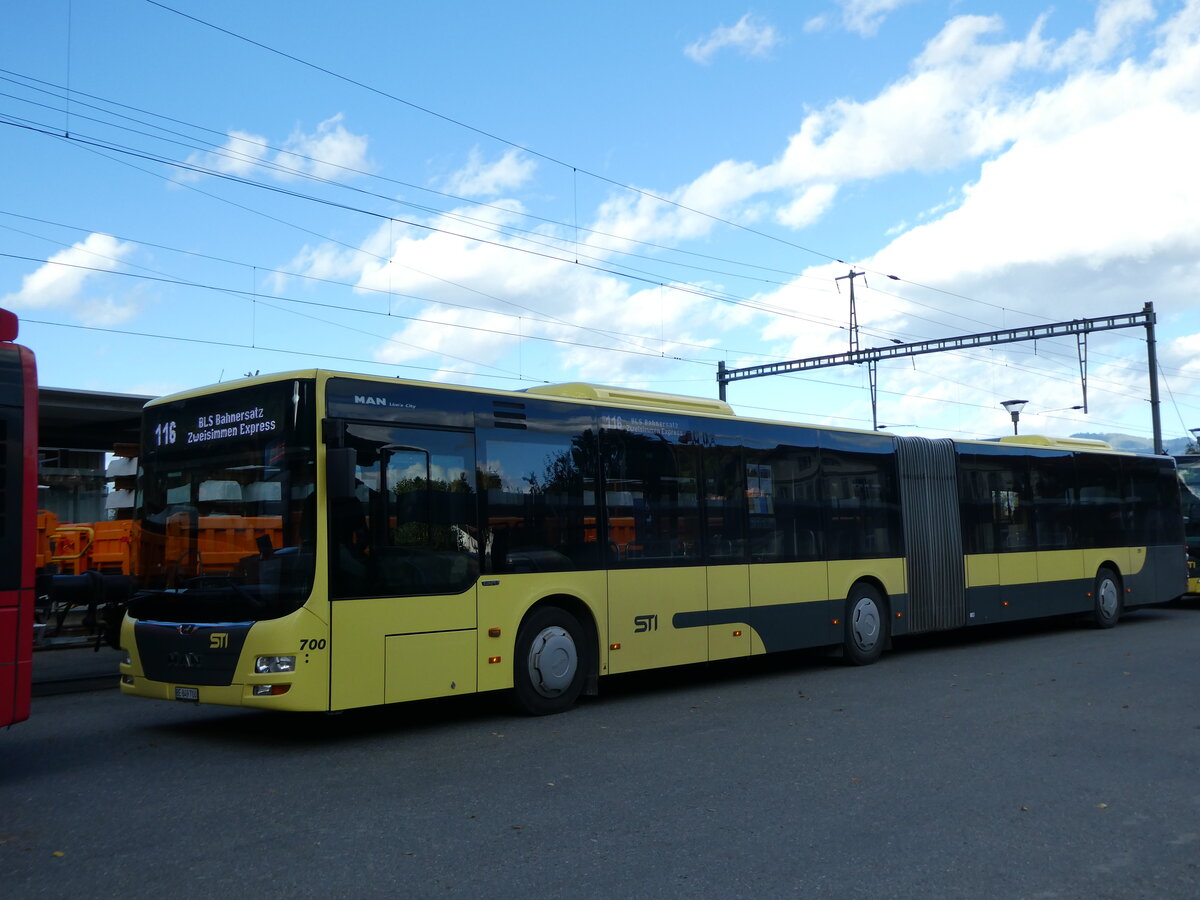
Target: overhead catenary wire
point(574, 168)
point(765, 310)
point(256, 160)
point(964, 354)
point(575, 227)
point(682, 287)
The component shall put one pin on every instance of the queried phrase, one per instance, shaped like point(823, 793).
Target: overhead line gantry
point(1079, 327)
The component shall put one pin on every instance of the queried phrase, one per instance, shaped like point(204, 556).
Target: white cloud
point(961, 100)
point(1115, 22)
point(105, 311)
point(750, 35)
point(439, 333)
point(950, 107)
point(865, 16)
point(482, 179)
point(326, 153)
point(808, 206)
point(816, 23)
point(63, 280)
point(330, 152)
point(238, 156)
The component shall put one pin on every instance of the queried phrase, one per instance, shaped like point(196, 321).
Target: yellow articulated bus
point(323, 541)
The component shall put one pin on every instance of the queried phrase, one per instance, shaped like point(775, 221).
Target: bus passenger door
point(404, 560)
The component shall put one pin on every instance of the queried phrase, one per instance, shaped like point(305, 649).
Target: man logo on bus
point(370, 401)
point(643, 624)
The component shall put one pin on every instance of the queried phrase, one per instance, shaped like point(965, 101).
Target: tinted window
point(1155, 513)
point(652, 490)
point(410, 527)
point(538, 477)
point(997, 503)
point(783, 497)
point(861, 496)
point(1053, 482)
point(228, 504)
point(725, 481)
point(1103, 486)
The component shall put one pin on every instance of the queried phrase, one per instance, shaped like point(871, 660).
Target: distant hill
point(1174, 447)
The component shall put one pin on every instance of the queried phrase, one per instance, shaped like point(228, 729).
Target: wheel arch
point(587, 618)
point(875, 582)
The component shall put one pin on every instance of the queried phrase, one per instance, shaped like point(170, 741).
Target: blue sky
point(623, 194)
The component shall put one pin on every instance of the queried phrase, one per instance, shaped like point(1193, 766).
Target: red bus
point(18, 519)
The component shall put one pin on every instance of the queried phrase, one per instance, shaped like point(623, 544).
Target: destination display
point(253, 413)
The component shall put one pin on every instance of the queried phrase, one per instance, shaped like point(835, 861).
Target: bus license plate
point(182, 693)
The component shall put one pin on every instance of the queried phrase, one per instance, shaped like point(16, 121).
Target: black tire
point(1107, 596)
point(865, 626)
point(550, 662)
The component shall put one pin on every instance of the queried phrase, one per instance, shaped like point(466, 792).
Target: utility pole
point(1152, 362)
point(853, 309)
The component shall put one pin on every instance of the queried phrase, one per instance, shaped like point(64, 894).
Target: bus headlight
point(271, 665)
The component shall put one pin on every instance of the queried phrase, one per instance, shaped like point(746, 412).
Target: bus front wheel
point(1107, 595)
point(865, 626)
point(548, 667)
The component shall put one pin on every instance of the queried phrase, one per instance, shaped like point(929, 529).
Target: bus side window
point(409, 526)
point(539, 489)
point(725, 509)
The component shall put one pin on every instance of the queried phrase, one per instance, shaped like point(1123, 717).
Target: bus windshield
point(1189, 477)
point(227, 503)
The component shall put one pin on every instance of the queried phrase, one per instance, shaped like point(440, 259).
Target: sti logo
point(362, 400)
point(642, 624)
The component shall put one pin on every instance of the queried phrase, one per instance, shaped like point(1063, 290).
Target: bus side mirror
point(340, 466)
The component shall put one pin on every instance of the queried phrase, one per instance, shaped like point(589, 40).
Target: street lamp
point(1014, 408)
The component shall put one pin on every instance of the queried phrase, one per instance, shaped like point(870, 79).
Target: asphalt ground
point(1040, 760)
point(74, 669)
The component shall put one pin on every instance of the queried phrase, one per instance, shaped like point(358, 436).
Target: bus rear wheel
point(1107, 608)
point(549, 662)
point(865, 626)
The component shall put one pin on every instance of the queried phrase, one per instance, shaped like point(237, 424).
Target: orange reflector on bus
point(1005, 603)
point(614, 646)
point(737, 632)
point(493, 659)
point(837, 622)
point(493, 632)
point(899, 615)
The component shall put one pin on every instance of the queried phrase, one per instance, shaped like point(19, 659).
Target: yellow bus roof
point(578, 390)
